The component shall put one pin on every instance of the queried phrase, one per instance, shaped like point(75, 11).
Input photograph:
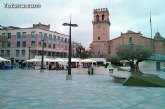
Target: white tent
point(88, 60)
point(47, 60)
point(2, 59)
point(33, 60)
point(58, 60)
point(73, 60)
point(39, 60)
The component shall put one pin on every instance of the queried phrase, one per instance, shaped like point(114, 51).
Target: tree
point(84, 55)
point(134, 54)
point(113, 59)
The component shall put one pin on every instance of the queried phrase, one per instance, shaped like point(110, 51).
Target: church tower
point(101, 26)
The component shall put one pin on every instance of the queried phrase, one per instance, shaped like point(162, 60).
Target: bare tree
point(134, 54)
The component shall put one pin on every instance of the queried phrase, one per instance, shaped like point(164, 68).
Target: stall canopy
point(75, 60)
point(58, 60)
point(88, 60)
point(33, 60)
point(2, 59)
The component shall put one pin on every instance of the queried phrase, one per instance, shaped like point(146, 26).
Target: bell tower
point(101, 25)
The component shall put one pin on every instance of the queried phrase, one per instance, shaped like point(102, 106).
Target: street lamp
point(42, 59)
point(29, 53)
point(69, 76)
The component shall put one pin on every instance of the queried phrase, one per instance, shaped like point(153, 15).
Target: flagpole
point(152, 40)
point(151, 25)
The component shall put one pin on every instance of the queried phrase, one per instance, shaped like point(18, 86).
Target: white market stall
point(88, 61)
point(33, 60)
point(2, 59)
point(5, 64)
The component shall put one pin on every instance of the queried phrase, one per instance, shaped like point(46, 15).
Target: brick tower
point(101, 25)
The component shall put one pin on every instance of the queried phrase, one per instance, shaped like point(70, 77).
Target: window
point(9, 40)
point(23, 53)
point(32, 44)
point(2, 52)
point(54, 45)
point(24, 43)
point(98, 38)
point(3, 44)
point(3, 34)
point(8, 53)
point(65, 46)
point(24, 39)
point(45, 39)
point(61, 42)
point(9, 35)
point(53, 54)
point(17, 53)
point(49, 53)
point(18, 34)
point(130, 39)
point(40, 39)
point(103, 17)
point(18, 43)
point(33, 39)
point(24, 36)
point(18, 39)
point(8, 44)
point(97, 18)
point(50, 40)
point(58, 41)
point(33, 35)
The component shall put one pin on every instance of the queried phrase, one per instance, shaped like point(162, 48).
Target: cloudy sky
point(124, 15)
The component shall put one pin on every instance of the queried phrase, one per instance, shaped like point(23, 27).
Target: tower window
point(103, 17)
point(97, 18)
point(130, 39)
point(98, 38)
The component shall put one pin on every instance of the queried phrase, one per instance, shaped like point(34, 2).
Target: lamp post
point(42, 59)
point(29, 52)
point(69, 76)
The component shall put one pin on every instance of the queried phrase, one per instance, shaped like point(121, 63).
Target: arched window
point(98, 38)
point(130, 39)
point(103, 17)
point(97, 18)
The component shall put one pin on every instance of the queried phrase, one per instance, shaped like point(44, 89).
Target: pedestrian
point(92, 69)
point(50, 66)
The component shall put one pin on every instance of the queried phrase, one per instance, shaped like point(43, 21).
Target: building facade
point(157, 44)
point(24, 43)
point(102, 46)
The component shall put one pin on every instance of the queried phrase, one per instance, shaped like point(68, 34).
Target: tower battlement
point(101, 9)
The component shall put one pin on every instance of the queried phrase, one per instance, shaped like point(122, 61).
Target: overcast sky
point(124, 15)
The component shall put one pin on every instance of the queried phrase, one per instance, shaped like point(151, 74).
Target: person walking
point(92, 69)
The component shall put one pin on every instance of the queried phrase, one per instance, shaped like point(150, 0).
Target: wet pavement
point(30, 89)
